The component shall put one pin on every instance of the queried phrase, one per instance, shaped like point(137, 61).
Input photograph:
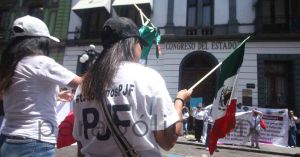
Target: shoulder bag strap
point(125, 147)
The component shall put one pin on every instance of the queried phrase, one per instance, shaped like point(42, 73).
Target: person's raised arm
point(67, 95)
point(75, 82)
point(167, 138)
point(260, 113)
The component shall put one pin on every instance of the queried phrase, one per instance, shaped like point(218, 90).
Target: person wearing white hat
point(29, 83)
point(255, 127)
point(31, 26)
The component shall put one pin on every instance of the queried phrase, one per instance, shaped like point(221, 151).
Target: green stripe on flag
point(224, 105)
point(150, 35)
point(231, 64)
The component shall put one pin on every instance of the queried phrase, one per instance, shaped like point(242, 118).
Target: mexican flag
point(224, 105)
point(150, 34)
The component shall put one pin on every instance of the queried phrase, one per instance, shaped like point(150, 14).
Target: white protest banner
point(276, 132)
point(241, 133)
point(62, 110)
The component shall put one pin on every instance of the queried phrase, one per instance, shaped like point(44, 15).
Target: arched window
point(192, 68)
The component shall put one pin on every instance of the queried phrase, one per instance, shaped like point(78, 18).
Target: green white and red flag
point(224, 105)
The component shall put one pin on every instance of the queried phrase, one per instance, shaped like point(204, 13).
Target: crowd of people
point(202, 123)
point(120, 105)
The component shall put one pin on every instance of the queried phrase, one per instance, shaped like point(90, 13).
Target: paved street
point(186, 148)
point(199, 151)
point(183, 150)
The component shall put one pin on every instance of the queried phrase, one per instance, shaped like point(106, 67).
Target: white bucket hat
point(31, 26)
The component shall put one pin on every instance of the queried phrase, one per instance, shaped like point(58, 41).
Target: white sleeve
point(52, 71)
point(164, 113)
point(77, 116)
point(76, 125)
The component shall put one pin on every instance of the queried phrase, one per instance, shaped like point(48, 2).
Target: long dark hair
point(100, 76)
point(16, 50)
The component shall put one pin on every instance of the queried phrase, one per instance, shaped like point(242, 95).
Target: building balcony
point(188, 31)
point(198, 30)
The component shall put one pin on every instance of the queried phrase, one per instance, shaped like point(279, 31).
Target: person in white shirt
point(209, 121)
point(199, 117)
point(292, 130)
point(29, 83)
point(255, 127)
point(185, 116)
point(118, 94)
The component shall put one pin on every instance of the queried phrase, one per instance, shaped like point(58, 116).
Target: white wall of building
point(75, 21)
point(245, 11)
point(246, 29)
point(159, 12)
point(180, 9)
point(221, 12)
point(169, 62)
point(245, 14)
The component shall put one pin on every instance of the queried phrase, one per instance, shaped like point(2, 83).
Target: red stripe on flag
point(222, 126)
point(65, 130)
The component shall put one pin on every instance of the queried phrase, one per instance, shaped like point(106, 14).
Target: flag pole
point(204, 77)
point(216, 67)
point(142, 14)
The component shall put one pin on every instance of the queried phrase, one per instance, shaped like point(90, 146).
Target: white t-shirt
point(185, 116)
point(199, 115)
point(140, 100)
point(255, 122)
point(29, 103)
point(207, 116)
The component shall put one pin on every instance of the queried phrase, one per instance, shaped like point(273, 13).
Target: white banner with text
point(276, 132)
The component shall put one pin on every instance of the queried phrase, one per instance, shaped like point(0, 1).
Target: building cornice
point(255, 37)
point(288, 37)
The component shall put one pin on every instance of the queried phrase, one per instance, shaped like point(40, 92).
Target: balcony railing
point(198, 30)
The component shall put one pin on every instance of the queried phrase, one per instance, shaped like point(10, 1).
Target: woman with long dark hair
point(29, 83)
point(122, 107)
